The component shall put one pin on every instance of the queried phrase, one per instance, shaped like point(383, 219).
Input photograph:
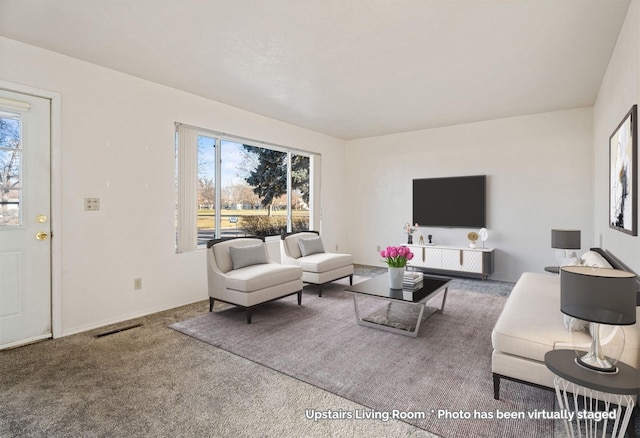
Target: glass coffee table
point(404, 309)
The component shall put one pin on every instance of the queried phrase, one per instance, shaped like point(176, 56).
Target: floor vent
point(113, 332)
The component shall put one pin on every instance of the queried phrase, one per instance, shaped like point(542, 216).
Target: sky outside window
point(233, 163)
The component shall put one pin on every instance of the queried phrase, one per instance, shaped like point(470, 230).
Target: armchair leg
point(299, 298)
point(320, 292)
point(211, 300)
point(248, 316)
point(351, 280)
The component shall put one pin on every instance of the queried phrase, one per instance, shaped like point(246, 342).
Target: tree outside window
point(253, 194)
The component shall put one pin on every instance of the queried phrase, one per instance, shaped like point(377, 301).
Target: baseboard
point(121, 319)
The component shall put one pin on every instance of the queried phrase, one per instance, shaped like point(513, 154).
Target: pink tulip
point(396, 255)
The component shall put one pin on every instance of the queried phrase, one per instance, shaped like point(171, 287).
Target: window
point(10, 169)
point(229, 186)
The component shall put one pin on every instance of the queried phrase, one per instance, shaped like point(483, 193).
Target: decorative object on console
point(484, 235)
point(396, 258)
point(421, 240)
point(473, 238)
point(623, 175)
point(410, 229)
point(566, 240)
point(600, 296)
point(429, 237)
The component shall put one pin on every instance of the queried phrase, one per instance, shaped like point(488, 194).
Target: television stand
point(475, 262)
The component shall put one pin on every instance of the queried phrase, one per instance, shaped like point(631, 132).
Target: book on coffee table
point(412, 281)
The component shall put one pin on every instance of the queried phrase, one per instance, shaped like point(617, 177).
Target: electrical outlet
point(137, 283)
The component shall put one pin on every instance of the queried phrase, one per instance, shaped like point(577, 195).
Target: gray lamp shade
point(565, 239)
point(606, 296)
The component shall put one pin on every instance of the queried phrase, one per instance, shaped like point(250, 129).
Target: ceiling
point(347, 68)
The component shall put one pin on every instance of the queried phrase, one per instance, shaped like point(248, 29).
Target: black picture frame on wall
point(623, 175)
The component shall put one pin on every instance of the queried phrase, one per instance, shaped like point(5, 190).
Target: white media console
point(451, 259)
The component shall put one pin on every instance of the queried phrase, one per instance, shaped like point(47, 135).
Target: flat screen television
point(457, 202)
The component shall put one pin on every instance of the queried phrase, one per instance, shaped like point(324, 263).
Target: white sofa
point(306, 250)
point(240, 272)
point(531, 324)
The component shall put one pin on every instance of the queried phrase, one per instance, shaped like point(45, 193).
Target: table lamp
point(565, 239)
point(599, 296)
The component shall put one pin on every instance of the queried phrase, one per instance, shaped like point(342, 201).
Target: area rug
point(440, 381)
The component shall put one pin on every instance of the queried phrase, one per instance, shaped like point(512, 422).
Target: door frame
point(56, 194)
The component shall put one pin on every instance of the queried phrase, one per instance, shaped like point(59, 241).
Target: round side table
point(585, 389)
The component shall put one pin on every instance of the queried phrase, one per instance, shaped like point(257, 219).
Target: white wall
point(117, 144)
point(620, 90)
point(539, 170)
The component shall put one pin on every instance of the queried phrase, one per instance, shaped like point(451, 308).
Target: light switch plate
point(92, 204)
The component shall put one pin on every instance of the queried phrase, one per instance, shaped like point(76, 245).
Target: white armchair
point(239, 272)
point(305, 249)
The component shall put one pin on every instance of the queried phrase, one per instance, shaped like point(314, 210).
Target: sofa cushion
point(326, 261)
point(310, 246)
point(261, 276)
point(242, 256)
point(531, 322)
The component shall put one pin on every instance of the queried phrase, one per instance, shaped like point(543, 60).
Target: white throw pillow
point(571, 261)
point(242, 256)
point(310, 246)
point(592, 258)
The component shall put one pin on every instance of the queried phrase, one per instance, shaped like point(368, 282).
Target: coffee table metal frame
point(378, 288)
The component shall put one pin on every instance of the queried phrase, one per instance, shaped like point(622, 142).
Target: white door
point(25, 223)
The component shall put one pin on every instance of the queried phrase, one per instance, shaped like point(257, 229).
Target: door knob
point(42, 236)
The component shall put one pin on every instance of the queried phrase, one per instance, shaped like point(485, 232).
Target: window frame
point(186, 167)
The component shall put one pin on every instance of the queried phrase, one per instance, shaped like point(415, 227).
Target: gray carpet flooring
point(444, 371)
point(151, 381)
